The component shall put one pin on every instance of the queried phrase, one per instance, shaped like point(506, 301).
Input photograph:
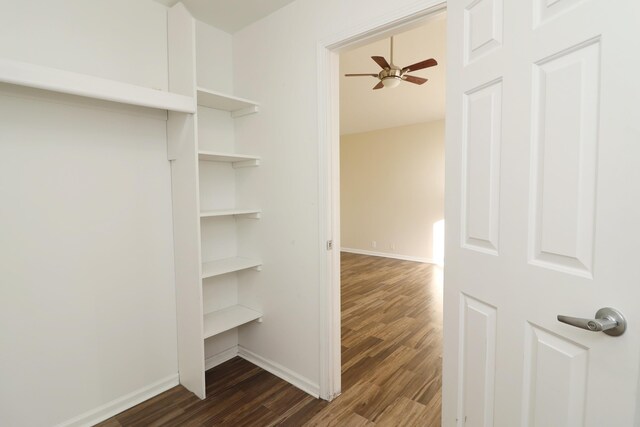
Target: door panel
point(542, 212)
point(564, 159)
point(555, 380)
point(482, 127)
point(478, 350)
point(482, 28)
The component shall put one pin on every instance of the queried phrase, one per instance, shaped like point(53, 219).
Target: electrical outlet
point(374, 244)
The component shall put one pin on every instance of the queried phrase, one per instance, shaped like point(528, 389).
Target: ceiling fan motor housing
point(390, 72)
point(390, 77)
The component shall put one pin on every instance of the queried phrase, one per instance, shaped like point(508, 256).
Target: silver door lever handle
point(608, 320)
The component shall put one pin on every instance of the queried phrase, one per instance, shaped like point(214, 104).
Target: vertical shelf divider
point(182, 134)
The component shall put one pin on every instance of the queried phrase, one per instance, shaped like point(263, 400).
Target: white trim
point(387, 255)
point(329, 175)
point(121, 404)
point(329, 226)
point(220, 358)
point(280, 371)
point(380, 26)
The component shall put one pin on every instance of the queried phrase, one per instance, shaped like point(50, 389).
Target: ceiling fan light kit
point(391, 75)
point(391, 82)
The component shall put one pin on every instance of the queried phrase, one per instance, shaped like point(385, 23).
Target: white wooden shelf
point(55, 80)
point(228, 265)
point(252, 213)
point(228, 318)
point(220, 101)
point(236, 160)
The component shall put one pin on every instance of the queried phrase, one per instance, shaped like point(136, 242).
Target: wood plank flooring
point(391, 363)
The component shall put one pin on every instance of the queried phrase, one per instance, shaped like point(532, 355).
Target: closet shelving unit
point(182, 102)
point(229, 317)
point(209, 269)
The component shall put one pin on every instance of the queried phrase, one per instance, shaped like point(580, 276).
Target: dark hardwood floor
point(391, 363)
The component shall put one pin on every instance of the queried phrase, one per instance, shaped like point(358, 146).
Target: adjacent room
point(392, 225)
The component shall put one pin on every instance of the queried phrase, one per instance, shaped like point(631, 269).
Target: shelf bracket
point(245, 111)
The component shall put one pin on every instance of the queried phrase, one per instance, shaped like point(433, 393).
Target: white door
point(542, 212)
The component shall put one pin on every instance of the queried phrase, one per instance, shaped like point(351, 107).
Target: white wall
point(214, 59)
point(122, 40)
point(392, 190)
point(87, 297)
point(275, 63)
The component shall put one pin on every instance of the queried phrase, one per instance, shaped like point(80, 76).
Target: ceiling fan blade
point(381, 61)
point(378, 86)
point(355, 75)
point(420, 65)
point(414, 79)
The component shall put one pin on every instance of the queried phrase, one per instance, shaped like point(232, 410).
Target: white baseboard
point(387, 255)
point(280, 371)
point(223, 356)
point(123, 403)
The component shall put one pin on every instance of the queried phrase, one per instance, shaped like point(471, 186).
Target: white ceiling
point(363, 109)
point(230, 15)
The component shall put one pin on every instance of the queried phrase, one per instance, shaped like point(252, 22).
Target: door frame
point(329, 173)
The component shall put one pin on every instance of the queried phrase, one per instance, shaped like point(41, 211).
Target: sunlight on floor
point(438, 242)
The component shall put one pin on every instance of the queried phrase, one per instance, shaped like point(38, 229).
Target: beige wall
point(392, 190)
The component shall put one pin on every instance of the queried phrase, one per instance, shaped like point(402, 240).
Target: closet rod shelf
point(220, 101)
point(228, 318)
point(61, 81)
point(228, 265)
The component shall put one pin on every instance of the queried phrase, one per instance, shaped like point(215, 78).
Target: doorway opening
point(387, 220)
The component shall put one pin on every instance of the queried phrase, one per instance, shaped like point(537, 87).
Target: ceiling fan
point(391, 75)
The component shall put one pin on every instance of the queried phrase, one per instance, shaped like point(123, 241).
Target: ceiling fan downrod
point(391, 61)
